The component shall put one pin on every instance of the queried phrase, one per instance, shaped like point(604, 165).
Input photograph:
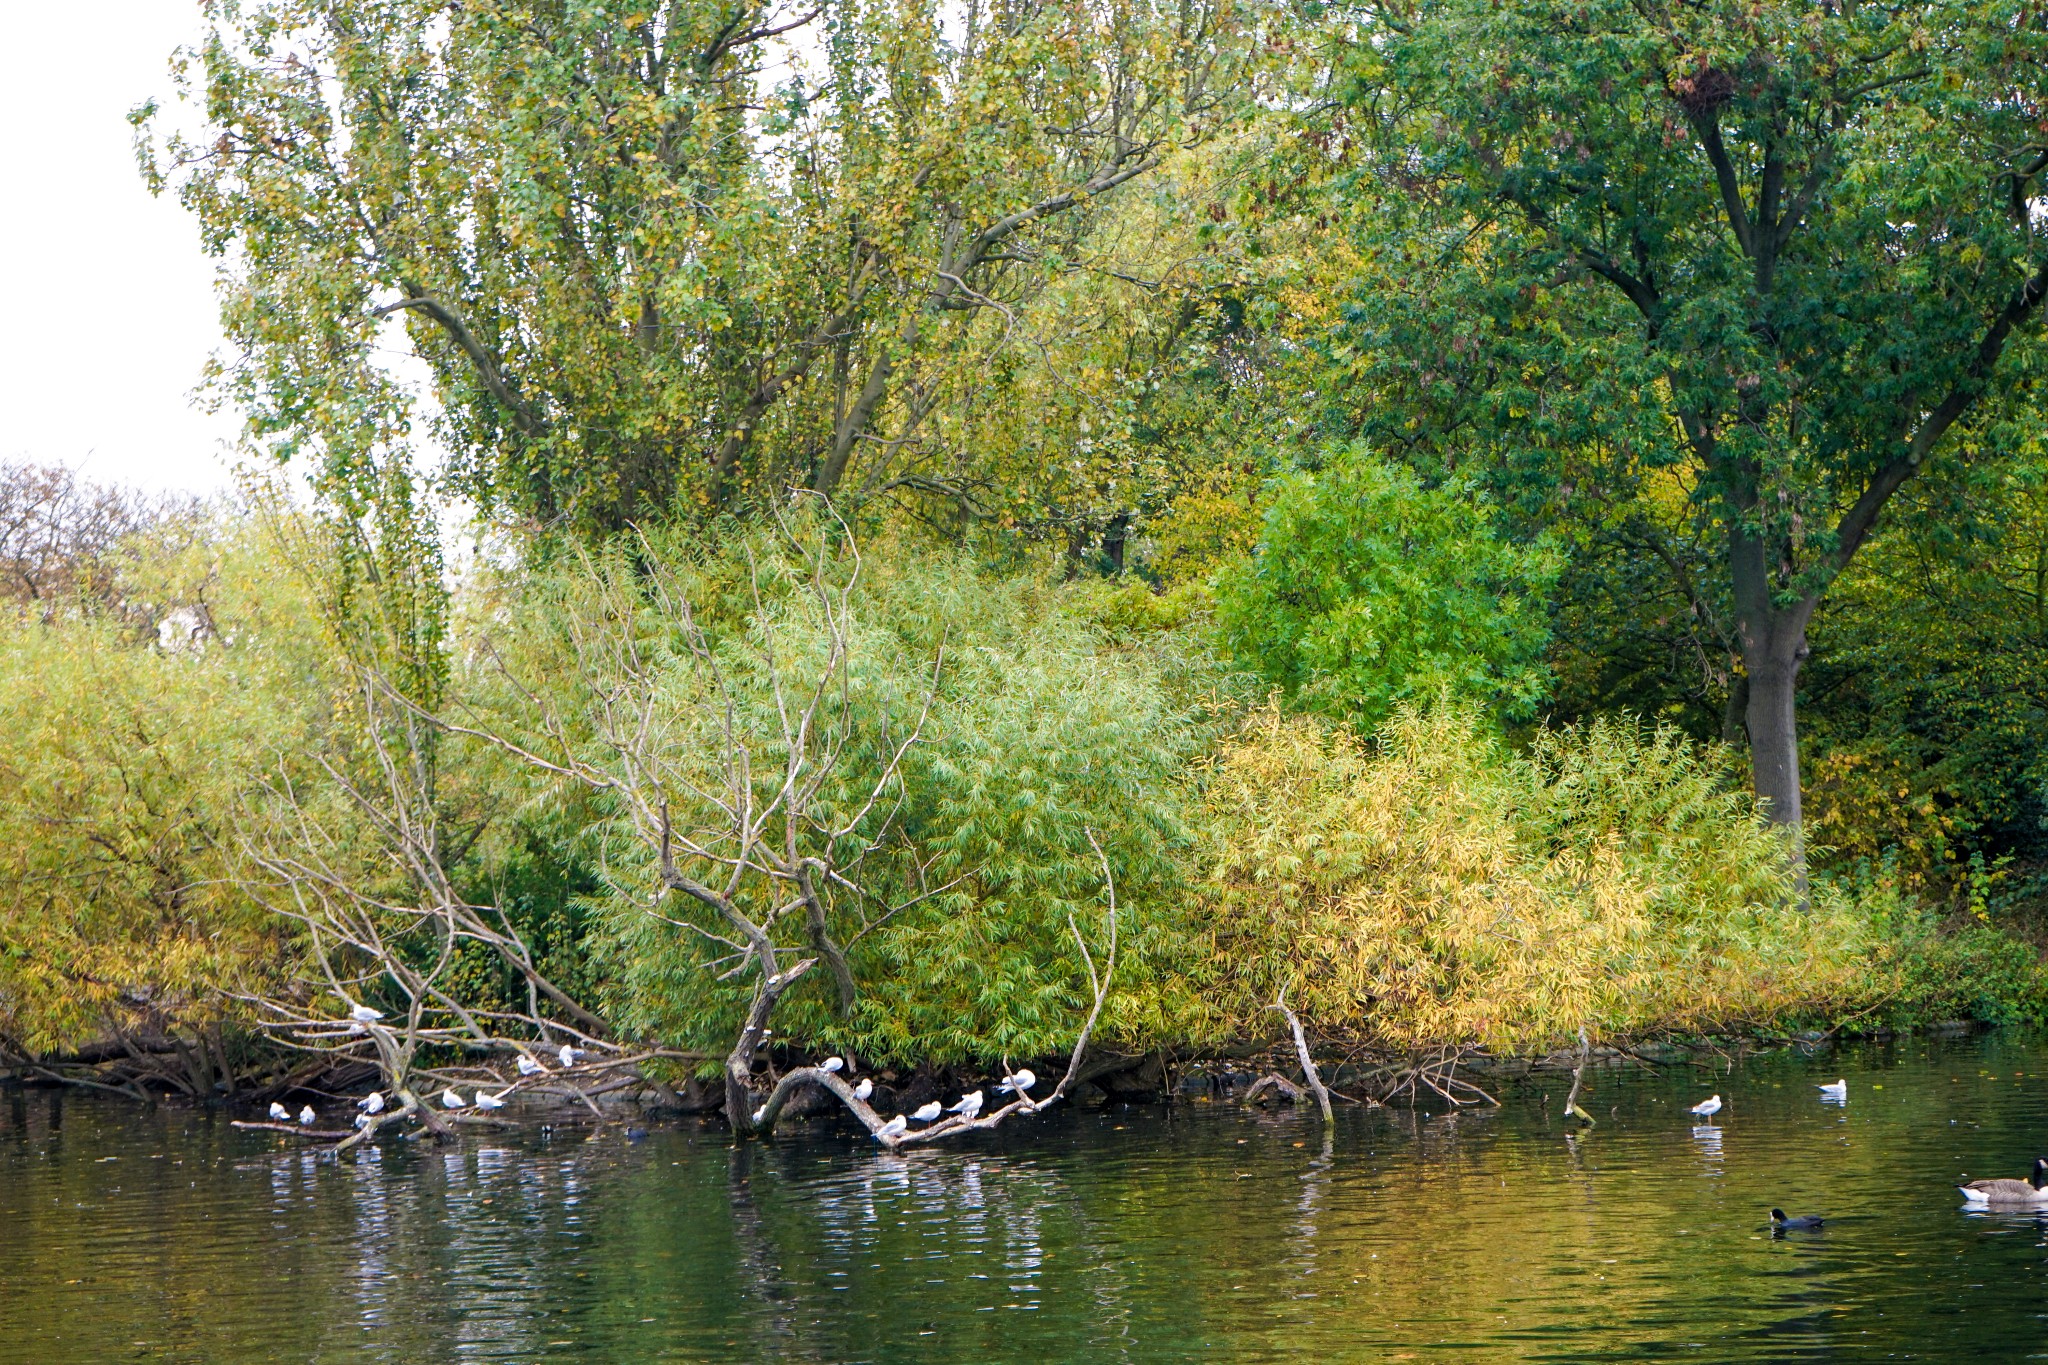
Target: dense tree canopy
point(1721, 277)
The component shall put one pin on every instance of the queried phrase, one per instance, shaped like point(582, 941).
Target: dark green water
point(1200, 1234)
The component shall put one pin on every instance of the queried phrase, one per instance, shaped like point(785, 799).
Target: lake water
point(1141, 1234)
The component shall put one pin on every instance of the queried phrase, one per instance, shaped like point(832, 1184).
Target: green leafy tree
point(649, 250)
point(1784, 256)
point(1368, 589)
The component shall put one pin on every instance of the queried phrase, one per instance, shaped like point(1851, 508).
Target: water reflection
point(1138, 1235)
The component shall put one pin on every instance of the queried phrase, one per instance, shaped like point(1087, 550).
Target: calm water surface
point(1139, 1234)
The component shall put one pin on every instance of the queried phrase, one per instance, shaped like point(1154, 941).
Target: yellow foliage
point(1435, 889)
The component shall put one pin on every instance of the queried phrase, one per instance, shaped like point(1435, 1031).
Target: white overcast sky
point(112, 312)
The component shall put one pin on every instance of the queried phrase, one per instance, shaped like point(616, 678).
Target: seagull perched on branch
point(1709, 1107)
point(1019, 1083)
point(363, 1014)
point(925, 1113)
point(306, 1117)
point(893, 1128)
point(864, 1089)
point(569, 1054)
point(280, 1113)
point(362, 1120)
point(496, 1101)
point(832, 1064)
point(528, 1066)
point(970, 1105)
point(451, 1100)
point(372, 1103)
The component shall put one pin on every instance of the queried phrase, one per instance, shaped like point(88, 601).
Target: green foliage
point(1031, 733)
point(1369, 589)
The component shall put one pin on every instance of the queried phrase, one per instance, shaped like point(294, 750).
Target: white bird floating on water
point(306, 1116)
point(1838, 1091)
point(1019, 1083)
point(864, 1089)
point(496, 1101)
point(925, 1113)
point(569, 1054)
point(528, 1066)
point(1709, 1107)
point(832, 1064)
point(451, 1100)
point(363, 1014)
point(372, 1103)
point(280, 1113)
point(970, 1105)
point(892, 1128)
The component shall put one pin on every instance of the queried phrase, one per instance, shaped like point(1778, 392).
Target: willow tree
point(650, 249)
point(1782, 256)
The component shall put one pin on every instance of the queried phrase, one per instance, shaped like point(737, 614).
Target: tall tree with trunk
point(1733, 270)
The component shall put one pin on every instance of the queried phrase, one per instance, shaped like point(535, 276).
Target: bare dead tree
point(362, 871)
point(61, 536)
point(733, 768)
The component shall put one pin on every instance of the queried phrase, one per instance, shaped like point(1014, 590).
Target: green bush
point(1368, 589)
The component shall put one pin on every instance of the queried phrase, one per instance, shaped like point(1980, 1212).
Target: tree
point(1368, 589)
point(1786, 255)
point(658, 250)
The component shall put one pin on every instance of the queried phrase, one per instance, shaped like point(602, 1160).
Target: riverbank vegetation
point(1264, 519)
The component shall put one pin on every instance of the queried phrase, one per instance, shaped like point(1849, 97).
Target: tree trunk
point(1774, 735)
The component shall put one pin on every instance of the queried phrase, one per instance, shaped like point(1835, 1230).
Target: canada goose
point(1783, 1224)
point(1838, 1091)
point(1707, 1108)
point(2033, 1190)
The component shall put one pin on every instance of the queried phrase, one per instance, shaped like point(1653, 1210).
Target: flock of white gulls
point(968, 1107)
point(1977, 1194)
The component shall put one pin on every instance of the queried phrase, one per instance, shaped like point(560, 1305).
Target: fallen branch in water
point(1571, 1101)
point(296, 1130)
point(1308, 1066)
point(891, 1136)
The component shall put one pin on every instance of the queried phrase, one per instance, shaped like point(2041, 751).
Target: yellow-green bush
point(1435, 888)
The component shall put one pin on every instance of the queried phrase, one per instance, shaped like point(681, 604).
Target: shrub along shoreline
point(184, 822)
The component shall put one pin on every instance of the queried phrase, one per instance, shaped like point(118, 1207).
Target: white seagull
point(832, 1064)
point(363, 1014)
point(280, 1113)
point(496, 1101)
point(362, 1120)
point(761, 1113)
point(925, 1113)
point(372, 1103)
point(528, 1066)
point(568, 1055)
point(1838, 1091)
point(970, 1105)
point(1709, 1107)
point(864, 1089)
point(306, 1116)
point(451, 1100)
point(1019, 1083)
point(356, 1029)
point(892, 1128)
